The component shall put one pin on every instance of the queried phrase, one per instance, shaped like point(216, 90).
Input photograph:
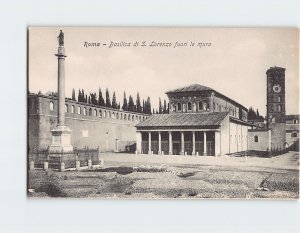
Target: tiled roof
point(292, 117)
point(190, 88)
point(184, 120)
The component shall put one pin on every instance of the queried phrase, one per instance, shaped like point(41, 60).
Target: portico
point(179, 142)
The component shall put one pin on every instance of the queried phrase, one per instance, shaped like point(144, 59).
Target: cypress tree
point(108, 103)
point(160, 109)
point(165, 107)
point(138, 103)
point(130, 104)
point(101, 101)
point(114, 101)
point(73, 95)
point(125, 105)
point(79, 96)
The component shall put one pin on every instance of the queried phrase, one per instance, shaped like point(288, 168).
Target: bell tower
point(275, 95)
point(276, 107)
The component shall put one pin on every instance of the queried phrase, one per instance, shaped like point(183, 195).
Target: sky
point(233, 62)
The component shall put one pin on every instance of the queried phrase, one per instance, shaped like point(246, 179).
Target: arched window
point(90, 111)
point(84, 111)
point(136, 118)
point(143, 118)
point(117, 115)
point(100, 113)
point(79, 110)
point(73, 109)
point(125, 117)
point(51, 106)
point(104, 114)
point(132, 118)
point(66, 108)
point(255, 138)
point(95, 112)
point(179, 107)
point(189, 106)
point(200, 106)
point(295, 121)
point(121, 116)
point(129, 117)
point(113, 115)
point(109, 114)
point(140, 118)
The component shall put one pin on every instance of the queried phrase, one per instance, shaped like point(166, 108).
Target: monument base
point(61, 139)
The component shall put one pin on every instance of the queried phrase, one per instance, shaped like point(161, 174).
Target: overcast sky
point(235, 64)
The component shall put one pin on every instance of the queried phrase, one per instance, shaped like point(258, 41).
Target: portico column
point(194, 144)
point(204, 144)
point(159, 143)
point(182, 143)
point(217, 143)
point(170, 143)
point(138, 142)
point(149, 143)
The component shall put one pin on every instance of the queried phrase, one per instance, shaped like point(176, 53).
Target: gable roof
point(184, 120)
point(190, 88)
point(198, 88)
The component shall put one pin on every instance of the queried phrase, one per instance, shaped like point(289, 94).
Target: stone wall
point(278, 136)
point(262, 143)
point(93, 127)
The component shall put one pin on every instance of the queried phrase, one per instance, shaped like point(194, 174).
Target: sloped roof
point(190, 88)
point(198, 87)
point(184, 120)
point(292, 117)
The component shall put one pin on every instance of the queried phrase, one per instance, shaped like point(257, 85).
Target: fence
point(56, 158)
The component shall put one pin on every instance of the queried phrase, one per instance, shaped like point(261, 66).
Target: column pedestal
point(61, 139)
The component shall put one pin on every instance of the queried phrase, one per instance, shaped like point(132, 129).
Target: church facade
point(201, 121)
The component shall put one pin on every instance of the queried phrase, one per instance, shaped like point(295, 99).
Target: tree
point(101, 101)
point(148, 108)
point(160, 108)
point(143, 110)
point(73, 95)
point(86, 99)
point(138, 103)
point(89, 100)
point(108, 103)
point(114, 101)
point(125, 105)
point(130, 104)
point(165, 107)
point(93, 98)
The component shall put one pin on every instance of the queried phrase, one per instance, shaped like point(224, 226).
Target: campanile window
point(255, 138)
point(179, 107)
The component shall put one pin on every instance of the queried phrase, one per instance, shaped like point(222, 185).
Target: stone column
point(182, 143)
point(194, 143)
point(170, 143)
point(159, 143)
point(217, 143)
point(204, 144)
point(149, 143)
point(61, 134)
point(139, 142)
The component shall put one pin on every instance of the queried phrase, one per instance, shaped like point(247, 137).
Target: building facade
point(273, 136)
point(201, 122)
point(292, 131)
point(91, 125)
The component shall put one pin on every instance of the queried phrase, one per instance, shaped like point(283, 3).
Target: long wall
point(91, 126)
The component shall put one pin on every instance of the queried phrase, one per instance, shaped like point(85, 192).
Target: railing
point(56, 158)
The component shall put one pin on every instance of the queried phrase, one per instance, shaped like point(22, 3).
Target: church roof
point(198, 87)
point(190, 88)
point(184, 120)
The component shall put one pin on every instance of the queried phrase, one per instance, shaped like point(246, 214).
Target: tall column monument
point(61, 134)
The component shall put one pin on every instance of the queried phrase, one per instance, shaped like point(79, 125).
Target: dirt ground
point(166, 177)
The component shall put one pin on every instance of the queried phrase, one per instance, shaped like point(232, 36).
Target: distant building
point(201, 121)
point(292, 131)
point(273, 136)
